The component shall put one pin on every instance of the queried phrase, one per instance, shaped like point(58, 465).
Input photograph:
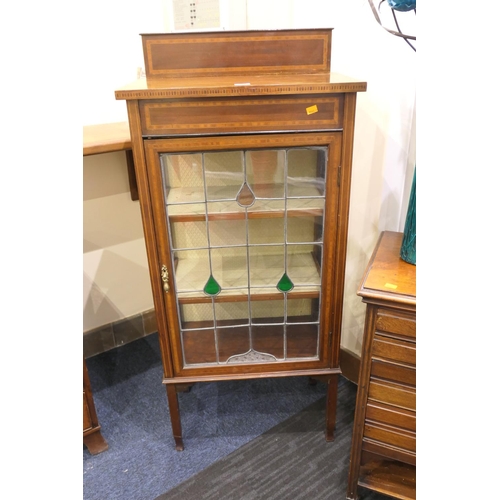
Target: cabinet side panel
point(149, 232)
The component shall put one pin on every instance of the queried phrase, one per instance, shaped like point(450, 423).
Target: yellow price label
point(312, 109)
point(390, 285)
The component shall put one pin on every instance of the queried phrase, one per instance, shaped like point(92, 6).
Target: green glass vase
point(409, 244)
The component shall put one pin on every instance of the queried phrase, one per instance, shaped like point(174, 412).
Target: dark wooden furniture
point(92, 437)
point(383, 455)
point(242, 143)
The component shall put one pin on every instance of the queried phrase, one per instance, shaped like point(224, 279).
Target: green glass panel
point(284, 284)
point(212, 287)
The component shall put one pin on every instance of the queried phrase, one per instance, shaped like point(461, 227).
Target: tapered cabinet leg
point(95, 443)
point(331, 406)
point(175, 417)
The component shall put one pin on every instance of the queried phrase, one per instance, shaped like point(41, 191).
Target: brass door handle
point(164, 278)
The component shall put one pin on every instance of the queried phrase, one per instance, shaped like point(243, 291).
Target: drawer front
point(391, 415)
point(391, 452)
point(389, 435)
point(394, 350)
point(175, 117)
point(404, 397)
point(393, 372)
point(396, 322)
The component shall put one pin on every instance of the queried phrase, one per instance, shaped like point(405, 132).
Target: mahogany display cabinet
point(242, 144)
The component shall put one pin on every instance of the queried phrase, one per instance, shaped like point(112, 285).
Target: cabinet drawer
point(392, 436)
point(396, 322)
point(391, 415)
point(385, 392)
point(396, 373)
point(371, 448)
point(394, 350)
point(173, 117)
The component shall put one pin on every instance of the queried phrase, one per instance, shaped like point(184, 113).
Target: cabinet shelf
point(261, 214)
point(390, 478)
point(192, 274)
point(189, 203)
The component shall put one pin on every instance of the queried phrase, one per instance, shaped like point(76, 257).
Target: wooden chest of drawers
point(383, 454)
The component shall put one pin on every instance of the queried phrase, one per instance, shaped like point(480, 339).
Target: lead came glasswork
point(247, 232)
point(245, 197)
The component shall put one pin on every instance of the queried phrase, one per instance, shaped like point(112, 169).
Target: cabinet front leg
point(175, 417)
point(331, 406)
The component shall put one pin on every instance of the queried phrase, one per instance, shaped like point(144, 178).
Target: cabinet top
point(238, 63)
point(239, 85)
point(387, 276)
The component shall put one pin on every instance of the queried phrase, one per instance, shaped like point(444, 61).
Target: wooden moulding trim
point(350, 364)
point(240, 91)
point(248, 376)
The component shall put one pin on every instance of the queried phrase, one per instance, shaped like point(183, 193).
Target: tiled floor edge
point(121, 332)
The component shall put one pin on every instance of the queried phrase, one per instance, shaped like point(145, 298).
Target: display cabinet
point(242, 144)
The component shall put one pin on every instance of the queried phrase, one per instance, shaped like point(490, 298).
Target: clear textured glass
point(227, 232)
point(266, 231)
point(183, 178)
point(224, 174)
point(191, 270)
point(306, 172)
point(265, 172)
point(229, 267)
point(190, 234)
point(232, 313)
point(266, 266)
point(302, 310)
point(194, 316)
point(268, 311)
point(304, 262)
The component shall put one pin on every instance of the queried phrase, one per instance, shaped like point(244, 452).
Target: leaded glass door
point(246, 243)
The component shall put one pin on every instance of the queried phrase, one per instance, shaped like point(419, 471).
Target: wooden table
point(92, 437)
point(98, 139)
point(108, 138)
point(383, 454)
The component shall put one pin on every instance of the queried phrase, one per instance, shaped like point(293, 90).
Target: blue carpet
point(217, 418)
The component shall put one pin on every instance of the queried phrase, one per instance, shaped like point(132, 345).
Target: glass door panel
point(246, 232)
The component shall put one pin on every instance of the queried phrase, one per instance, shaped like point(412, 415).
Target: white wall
point(384, 148)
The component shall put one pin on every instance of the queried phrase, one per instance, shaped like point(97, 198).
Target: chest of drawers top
point(387, 276)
